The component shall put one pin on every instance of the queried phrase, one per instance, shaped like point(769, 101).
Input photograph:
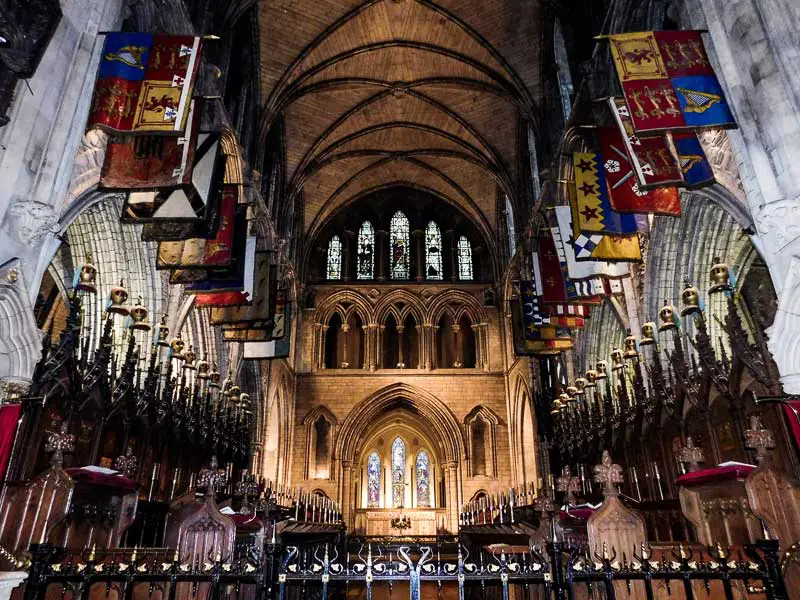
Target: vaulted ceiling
point(384, 92)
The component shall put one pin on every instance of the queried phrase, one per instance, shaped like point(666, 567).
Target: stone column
point(754, 47)
point(426, 346)
point(374, 347)
point(453, 500)
point(477, 262)
point(458, 347)
point(449, 255)
point(433, 357)
point(346, 499)
point(347, 254)
point(419, 252)
point(344, 363)
point(401, 362)
point(367, 347)
point(381, 254)
point(480, 355)
point(320, 332)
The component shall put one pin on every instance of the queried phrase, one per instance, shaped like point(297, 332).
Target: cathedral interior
point(431, 298)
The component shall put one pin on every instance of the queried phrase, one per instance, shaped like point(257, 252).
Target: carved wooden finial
point(760, 439)
point(568, 483)
point(608, 474)
point(691, 454)
point(212, 478)
point(58, 443)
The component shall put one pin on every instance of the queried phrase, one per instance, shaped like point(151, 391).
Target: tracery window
point(335, 258)
point(464, 259)
point(398, 472)
point(366, 251)
point(373, 480)
point(399, 240)
point(433, 251)
point(423, 479)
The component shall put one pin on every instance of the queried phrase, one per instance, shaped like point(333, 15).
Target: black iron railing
point(329, 571)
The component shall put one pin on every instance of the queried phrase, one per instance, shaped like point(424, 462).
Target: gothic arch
point(388, 303)
point(481, 425)
point(319, 466)
point(430, 409)
point(334, 303)
point(275, 452)
point(466, 304)
point(524, 433)
point(20, 339)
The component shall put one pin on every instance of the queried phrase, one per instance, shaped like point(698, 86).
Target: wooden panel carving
point(205, 534)
point(773, 498)
point(30, 513)
point(776, 500)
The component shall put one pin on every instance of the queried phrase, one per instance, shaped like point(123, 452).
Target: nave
point(399, 298)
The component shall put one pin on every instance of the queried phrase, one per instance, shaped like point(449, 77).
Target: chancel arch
point(411, 413)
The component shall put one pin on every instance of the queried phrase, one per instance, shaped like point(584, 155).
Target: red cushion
point(577, 513)
point(715, 475)
point(793, 422)
point(116, 482)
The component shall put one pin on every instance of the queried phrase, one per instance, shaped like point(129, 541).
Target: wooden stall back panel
point(205, 533)
point(203, 536)
point(103, 534)
point(30, 513)
point(181, 508)
point(720, 513)
point(775, 499)
point(623, 531)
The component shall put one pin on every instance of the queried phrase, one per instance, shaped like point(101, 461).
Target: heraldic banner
point(668, 81)
point(145, 83)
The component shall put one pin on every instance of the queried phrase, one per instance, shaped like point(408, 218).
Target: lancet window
point(464, 259)
point(433, 252)
point(399, 246)
point(335, 258)
point(373, 480)
point(366, 251)
point(423, 477)
point(398, 472)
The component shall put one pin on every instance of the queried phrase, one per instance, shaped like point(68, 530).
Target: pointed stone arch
point(481, 424)
point(431, 413)
point(319, 422)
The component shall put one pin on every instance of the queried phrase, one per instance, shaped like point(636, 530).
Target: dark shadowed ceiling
point(388, 92)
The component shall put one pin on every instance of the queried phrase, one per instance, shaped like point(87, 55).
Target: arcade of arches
point(397, 163)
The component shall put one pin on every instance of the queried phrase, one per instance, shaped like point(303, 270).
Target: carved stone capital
point(30, 221)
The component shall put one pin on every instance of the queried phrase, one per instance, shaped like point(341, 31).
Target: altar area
point(400, 521)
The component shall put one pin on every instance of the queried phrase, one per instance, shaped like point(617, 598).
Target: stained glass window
point(400, 247)
point(464, 259)
point(335, 258)
point(423, 479)
point(374, 480)
point(366, 251)
point(398, 472)
point(433, 251)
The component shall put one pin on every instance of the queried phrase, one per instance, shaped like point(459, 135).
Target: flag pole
point(611, 35)
point(210, 37)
